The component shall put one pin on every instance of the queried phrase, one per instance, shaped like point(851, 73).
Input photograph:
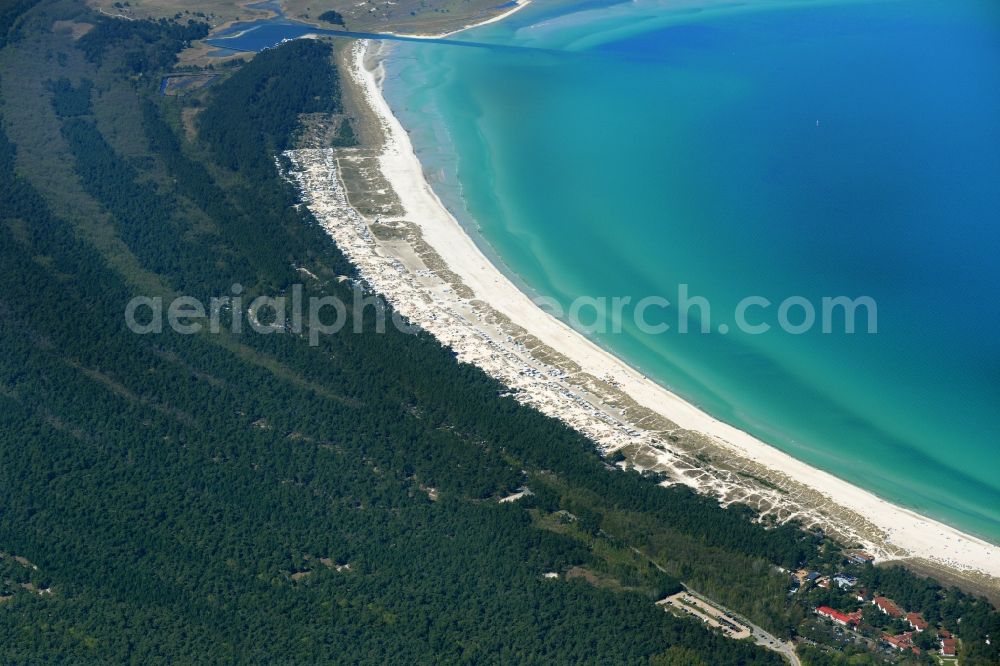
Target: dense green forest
point(251, 498)
point(332, 16)
point(256, 111)
point(138, 47)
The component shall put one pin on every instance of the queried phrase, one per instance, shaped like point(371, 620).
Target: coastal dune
point(809, 494)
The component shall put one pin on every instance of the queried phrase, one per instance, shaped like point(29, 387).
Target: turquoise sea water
point(756, 148)
point(769, 148)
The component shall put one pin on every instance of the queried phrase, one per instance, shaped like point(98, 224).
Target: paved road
point(761, 637)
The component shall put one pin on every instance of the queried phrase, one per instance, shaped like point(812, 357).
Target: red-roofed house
point(887, 606)
point(845, 619)
point(917, 621)
point(902, 642)
point(947, 647)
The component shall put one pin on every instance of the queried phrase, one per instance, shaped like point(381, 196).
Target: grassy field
point(217, 13)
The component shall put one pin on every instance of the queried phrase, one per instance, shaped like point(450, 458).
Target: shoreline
point(217, 33)
point(521, 4)
point(489, 321)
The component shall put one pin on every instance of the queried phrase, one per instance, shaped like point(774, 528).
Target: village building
point(860, 557)
point(844, 619)
point(887, 606)
point(917, 621)
point(844, 581)
point(902, 642)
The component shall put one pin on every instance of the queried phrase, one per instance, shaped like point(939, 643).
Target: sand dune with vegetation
point(376, 203)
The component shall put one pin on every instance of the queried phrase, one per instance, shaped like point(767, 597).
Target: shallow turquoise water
point(760, 148)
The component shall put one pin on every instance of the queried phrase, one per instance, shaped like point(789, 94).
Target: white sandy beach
point(893, 532)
